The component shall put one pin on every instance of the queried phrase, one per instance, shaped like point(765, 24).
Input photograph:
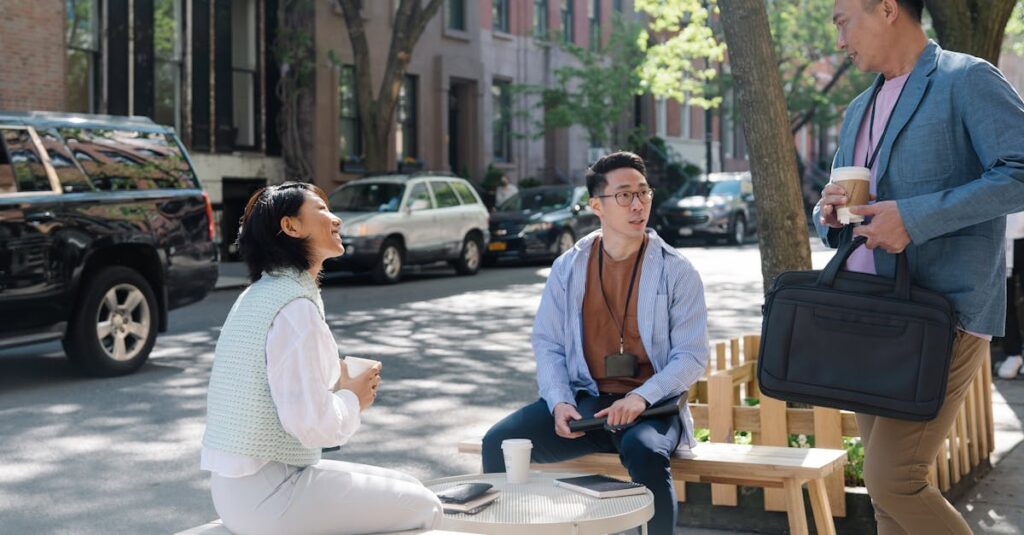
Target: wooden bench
point(217, 528)
point(735, 464)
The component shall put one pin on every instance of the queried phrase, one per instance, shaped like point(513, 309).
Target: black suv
point(103, 229)
point(719, 205)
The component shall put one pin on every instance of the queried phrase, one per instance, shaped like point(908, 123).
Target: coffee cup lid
point(516, 443)
point(851, 173)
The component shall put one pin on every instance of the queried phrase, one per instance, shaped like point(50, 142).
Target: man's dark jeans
point(645, 448)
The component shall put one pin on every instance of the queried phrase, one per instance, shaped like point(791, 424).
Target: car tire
point(388, 268)
point(470, 257)
point(114, 324)
point(738, 230)
point(566, 240)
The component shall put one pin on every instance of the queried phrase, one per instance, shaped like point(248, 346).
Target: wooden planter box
point(731, 376)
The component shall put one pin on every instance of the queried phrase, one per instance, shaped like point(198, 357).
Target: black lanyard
point(870, 162)
point(629, 293)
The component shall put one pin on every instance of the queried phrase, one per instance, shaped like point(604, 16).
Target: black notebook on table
point(662, 408)
point(601, 486)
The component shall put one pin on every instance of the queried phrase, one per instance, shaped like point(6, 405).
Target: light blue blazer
point(953, 160)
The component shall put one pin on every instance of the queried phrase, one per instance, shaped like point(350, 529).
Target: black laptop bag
point(857, 341)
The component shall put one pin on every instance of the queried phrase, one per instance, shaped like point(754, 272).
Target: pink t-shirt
point(862, 259)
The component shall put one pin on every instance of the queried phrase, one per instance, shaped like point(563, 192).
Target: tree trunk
point(782, 227)
point(377, 112)
point(970, 26)
point(295, 54)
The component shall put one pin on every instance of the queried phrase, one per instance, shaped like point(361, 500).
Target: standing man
point(595, 359)
point(943, 134)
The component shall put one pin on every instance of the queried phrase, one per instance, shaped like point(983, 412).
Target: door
point(419, 223)
point(236, 194)
point(30, 276)
point(451, 219)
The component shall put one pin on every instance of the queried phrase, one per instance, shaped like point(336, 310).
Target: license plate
point(686, 232)
point(497, 246)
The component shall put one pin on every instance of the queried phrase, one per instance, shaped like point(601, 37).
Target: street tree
point(782, 226)
point(377, 110)
point(594, 92)
point(296, 54)
point(970, 26)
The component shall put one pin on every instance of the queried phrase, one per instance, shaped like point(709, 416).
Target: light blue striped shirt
point(670, 311)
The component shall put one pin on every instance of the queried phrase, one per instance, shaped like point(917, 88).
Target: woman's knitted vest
point(241, 416)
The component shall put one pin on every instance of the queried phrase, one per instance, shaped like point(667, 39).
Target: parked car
point(540, 223)
point(392, 221)
point(719, 205)
point(104, 228)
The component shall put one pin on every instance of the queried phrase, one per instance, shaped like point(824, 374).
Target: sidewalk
point(233, 275)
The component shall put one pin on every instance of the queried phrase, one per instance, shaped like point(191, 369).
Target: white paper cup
point(517, 459)
point(857, 183)
point(357, 366)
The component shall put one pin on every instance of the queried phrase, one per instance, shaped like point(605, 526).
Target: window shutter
point(117, 57)
point(201, 75)
point(222, 74)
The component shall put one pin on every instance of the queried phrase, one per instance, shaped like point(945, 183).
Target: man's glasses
point(625, 198)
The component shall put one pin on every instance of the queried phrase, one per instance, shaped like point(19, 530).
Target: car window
point(21, 167)
point(465, 192)
point(129, 160)
point(444, 194)
point(726, 187)
point(367, 197)
point(71, 177)
point(419, 193)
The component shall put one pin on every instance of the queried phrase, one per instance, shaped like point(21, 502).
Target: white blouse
point(302, 367)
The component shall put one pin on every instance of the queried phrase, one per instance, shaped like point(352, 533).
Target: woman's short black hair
point(596, 175)
point(262, 244)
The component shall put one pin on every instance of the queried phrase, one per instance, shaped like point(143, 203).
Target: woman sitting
point(279, 393)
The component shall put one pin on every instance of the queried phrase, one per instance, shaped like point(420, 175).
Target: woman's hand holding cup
point(364, 385)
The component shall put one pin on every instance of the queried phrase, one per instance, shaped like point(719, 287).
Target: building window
point(406, 117)
point(594, 16)
point(567, 34)
point(540, 19)
point(83, 55)
point(350, 134)
point(244, 67)
point(500, 15)
point(457, 15)
point(617, 6)
point(501, 98)
point(167, 51)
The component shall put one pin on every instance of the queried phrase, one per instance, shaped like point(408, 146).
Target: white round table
point(538, 507)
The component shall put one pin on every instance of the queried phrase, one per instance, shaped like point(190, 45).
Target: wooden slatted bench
point(735, 464)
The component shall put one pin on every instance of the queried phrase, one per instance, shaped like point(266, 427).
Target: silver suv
point(391, 221)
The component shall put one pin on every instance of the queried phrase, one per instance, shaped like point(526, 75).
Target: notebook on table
point(601, 486)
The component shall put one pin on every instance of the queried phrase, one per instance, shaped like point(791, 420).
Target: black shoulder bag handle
point(901, 287)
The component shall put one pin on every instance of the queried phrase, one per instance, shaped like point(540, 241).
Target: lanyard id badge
point(620, 364)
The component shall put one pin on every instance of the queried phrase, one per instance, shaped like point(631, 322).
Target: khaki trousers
point(897, 454)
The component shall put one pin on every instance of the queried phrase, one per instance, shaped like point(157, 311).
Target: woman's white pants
point(329, 498)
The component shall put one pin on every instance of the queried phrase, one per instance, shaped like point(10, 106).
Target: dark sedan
point(540, 223)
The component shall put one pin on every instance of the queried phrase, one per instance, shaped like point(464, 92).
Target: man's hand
point(624, 411)
point(832, 197)
point(563, 413)
point(886, 229)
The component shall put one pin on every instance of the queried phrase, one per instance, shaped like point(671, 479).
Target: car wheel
point(738, 232)
point(388, 269)
point(565, 242)
point(470, 257)
point(114, 325)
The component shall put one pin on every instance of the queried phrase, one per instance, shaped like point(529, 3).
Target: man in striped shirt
point(621, 326)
